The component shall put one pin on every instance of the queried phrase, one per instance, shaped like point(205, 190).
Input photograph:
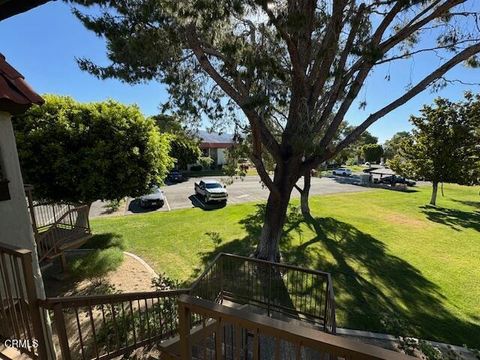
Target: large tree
point(183, 144)
point(286, 70)
point(443, 146)
point(80, 153)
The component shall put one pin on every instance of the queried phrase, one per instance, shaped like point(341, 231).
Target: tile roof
point(10, 8)
point(214, 140)
point(16, 96)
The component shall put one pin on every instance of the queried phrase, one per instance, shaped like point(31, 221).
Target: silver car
point(155, 198)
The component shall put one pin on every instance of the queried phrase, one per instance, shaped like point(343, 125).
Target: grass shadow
point(455, 219)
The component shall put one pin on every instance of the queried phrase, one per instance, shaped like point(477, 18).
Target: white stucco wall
point(15, 225)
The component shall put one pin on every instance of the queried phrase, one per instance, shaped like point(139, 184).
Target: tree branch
point(422, 85)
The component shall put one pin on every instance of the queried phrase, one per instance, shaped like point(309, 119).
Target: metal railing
point(229, 333)
point(279, 289)
point(107, 326)
point(20, 317)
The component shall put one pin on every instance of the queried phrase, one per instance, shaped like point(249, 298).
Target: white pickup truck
point(211, 191)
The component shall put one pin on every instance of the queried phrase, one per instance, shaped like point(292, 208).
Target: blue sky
point(43, 43)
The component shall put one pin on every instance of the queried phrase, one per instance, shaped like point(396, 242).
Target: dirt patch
point(131, 276)
point(401, 219)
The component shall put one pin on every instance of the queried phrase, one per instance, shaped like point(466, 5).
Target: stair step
point(9, 353)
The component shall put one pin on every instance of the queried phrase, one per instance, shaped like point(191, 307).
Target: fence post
point(269, 288)
point(184, 320)
point(33, 305)
point(61, 331)
point(221, 279)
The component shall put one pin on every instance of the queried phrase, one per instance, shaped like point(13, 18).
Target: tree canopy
point(183, 145)
point(80, 153)
point(392, 146)
point(286, 71)
point(372, 152)
point(444, 144)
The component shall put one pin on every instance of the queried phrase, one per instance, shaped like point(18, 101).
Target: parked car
point(342, 172)
point(211, 191)
point(154, 198)
point(175, 176)
point(395, 179)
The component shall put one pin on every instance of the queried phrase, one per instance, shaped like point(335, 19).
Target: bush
point(96, 264)
point(106, 241)
point(205, 161)
point(196, 168)
point(112, 206)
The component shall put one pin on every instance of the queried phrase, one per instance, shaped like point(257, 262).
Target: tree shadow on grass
point(455, 219)
point(374, 289)
point(473, 204)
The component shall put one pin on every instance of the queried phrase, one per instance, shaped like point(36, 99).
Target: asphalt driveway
point(247, 189)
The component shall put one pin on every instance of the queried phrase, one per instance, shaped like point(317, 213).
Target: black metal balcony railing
point(278, 289)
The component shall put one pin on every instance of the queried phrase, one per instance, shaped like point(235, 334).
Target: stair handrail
point(43, 235)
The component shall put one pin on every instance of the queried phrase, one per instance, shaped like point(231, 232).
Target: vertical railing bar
point(125, 323)
point(184, 315)
point(80, 337)
point(277, 348)
point(133, 322)
point(102, 309)
point(117, 332)
point(238, 342)
point(92, 322)
point(147, 319)
point(10, 297)
point(298, 351)
point(37, 323)
point(218, 339)
point(8, 326)
point(160, 316)
point(61, 331)
point(269, 289)
point(256, 345)
point(21, 298)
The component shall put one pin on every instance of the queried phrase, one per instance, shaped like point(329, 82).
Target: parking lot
point(248, 189)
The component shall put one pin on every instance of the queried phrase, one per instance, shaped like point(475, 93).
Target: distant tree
point(372, 152)
point(287, 71)
point(183, 145)
point(80, 153)
point(443, 146)
point(354, 150)
point(392, 146)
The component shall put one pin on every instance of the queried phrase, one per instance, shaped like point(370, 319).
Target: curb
point(141, 261)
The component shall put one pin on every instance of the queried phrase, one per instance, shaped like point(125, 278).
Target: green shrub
point(96, 264)
point(196, 168)
point(112, 206)
point(106, 241)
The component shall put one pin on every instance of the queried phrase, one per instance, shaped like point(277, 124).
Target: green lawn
point(396, 263)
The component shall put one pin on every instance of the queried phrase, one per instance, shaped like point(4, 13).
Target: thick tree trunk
point(276, 214)
point(433, 200)
point(304, 194)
